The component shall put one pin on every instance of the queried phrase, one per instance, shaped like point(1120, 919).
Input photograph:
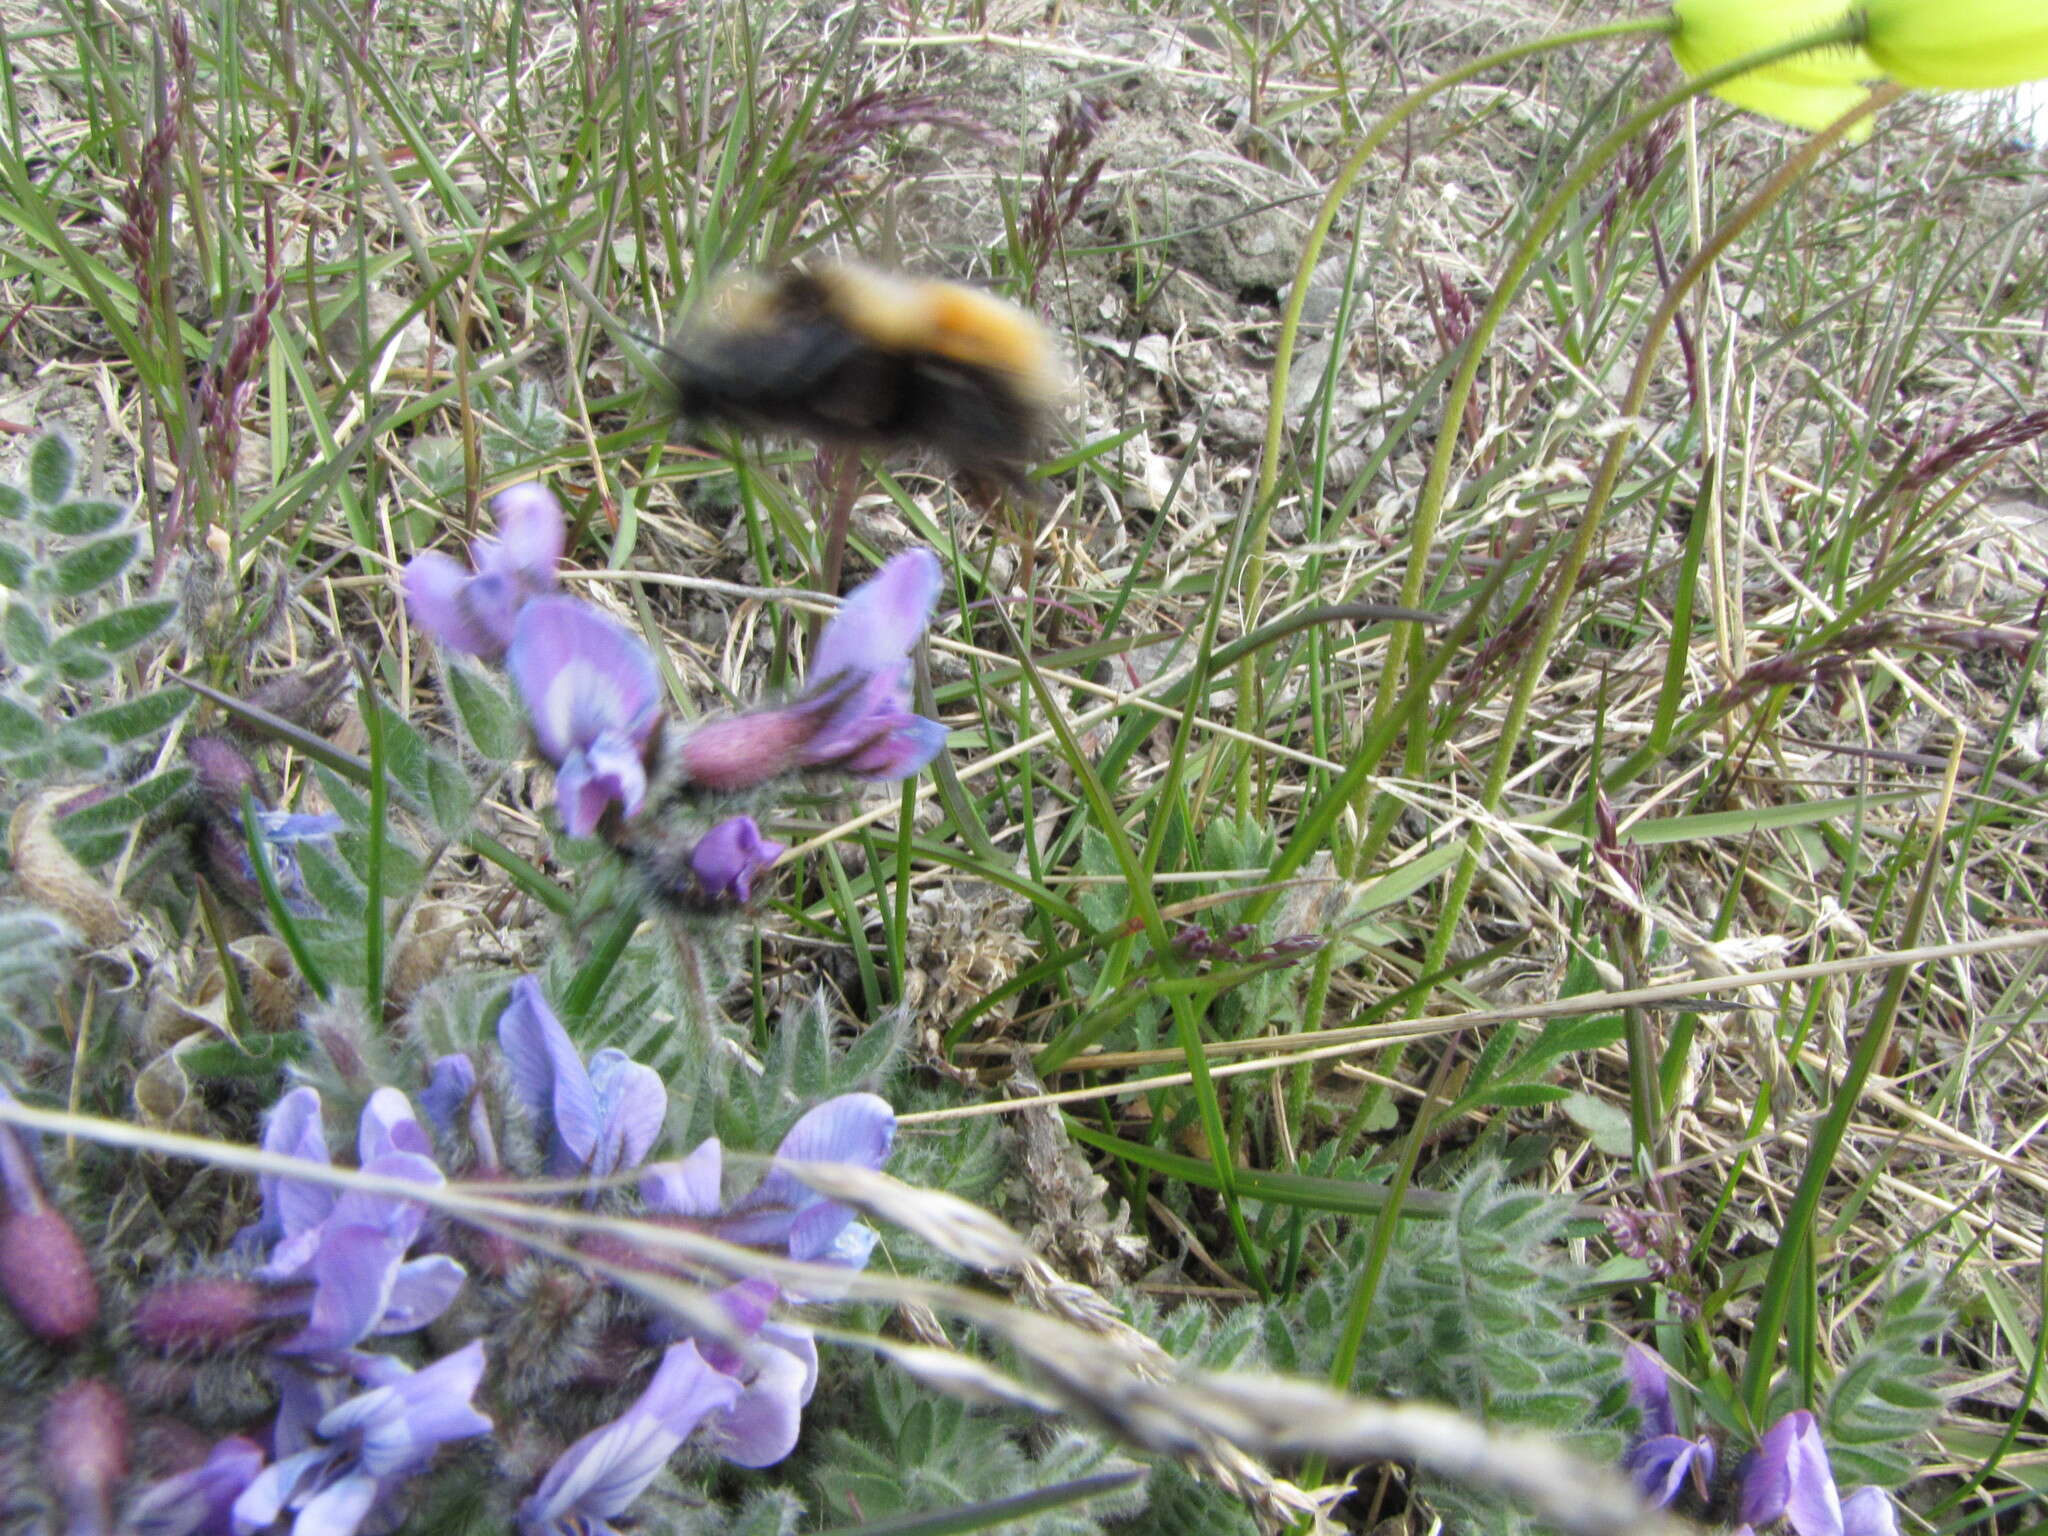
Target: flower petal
point(1788, 1477)
point(903, 749)
point(549, 1077)
point(352, 1275)
point(761, 1428)
point(632, 1103)
point(604, 1472)
point(389, 1125)
point(1809, 90)
point(258, 1505)
point(420, 1292)
point(437, 593)
point(580, 676)
point(398, 1218)
point(881, 620)
point(1662, 1465)
point(402, 1423)
point(855, 1128)
point(589, 782)
point(339, 1509)
point(726, 859)
point(530, 534)
point(291, 1206)
point(450, 1082)
point(1869, 1512)
point(286, 827)
point(1959, 44)
point(689, 1186)
point(1649, 1388)
point(199, 1499)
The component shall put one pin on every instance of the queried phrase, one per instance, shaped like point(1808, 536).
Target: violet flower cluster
point(329, 1269)
point(1785, 1479)
point(593, 693)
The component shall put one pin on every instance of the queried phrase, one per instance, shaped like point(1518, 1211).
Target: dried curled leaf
point(424, 947)
point(52, 878)
point(270, 986)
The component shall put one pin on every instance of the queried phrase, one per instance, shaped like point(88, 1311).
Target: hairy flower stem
point(1551, 622)
point(839, 479)
point(1254, 567)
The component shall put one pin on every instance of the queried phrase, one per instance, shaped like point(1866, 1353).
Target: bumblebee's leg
point(838, 469)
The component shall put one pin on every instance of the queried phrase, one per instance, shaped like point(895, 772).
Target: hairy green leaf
point(21, 728)
point(488, 719)
point(52, 466)
point(91, 566)
point(82, 517)
point(134, 719)
point(124, 628)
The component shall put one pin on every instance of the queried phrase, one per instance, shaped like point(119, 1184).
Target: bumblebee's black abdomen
point(971, 415)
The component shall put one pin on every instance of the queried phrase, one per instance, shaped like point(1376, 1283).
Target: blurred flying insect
point(857, 358)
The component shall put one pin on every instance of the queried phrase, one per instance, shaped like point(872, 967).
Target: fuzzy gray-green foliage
point(67, 562)
point(913, 1453)
point(1474, 1311)
point(1883, 1401)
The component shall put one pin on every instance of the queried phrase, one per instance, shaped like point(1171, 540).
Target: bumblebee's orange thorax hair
point(950, 320)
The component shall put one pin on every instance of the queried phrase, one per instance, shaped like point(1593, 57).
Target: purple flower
point(594, 696)
point(351, 1247)
point(1869, 1512)
point(357, 1454)
point(451, 1098)
point(1786, 1477)
point(199, 1501)
point(1660, 1460)
point(601, 1119)
point(782, 1211)
point(727, 858)
point(477, 613)
point(855, 717)
point(224, 773)
point(777, 1367)
point(293, 1129)
point(603, 1473)
point(450, 1092)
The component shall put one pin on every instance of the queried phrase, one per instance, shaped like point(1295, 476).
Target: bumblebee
point(850, 355)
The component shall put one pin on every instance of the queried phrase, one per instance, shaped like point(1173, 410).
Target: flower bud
point(727, 858)
point(206, 1314)
point(747, 751)
point(84, 1445)
point(44, 1274)
point(222, 770)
